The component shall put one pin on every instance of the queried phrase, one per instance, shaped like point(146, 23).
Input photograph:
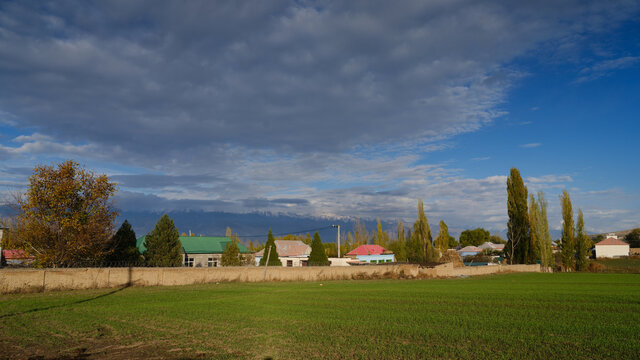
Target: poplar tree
point(518, 248)
point(540, 229)
point(274, 260)
point(318, 256)
point(583, 244)
point(163, 244)
point(401, 248)
point(381, 238)
point(568, 242)
point(422, 236)
point(442, 241)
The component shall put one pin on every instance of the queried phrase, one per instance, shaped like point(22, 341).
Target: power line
point(288, 233)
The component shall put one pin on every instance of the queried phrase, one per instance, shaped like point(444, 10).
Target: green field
point(622, 265)
point(575, 315)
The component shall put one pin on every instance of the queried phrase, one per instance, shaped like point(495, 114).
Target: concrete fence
point(35, 280)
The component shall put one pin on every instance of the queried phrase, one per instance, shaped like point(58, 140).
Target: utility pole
point(338, 226)
point(266, 263)
point(2, 229)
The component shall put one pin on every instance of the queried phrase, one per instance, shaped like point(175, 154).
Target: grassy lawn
point(621, 265)
point(575, 315)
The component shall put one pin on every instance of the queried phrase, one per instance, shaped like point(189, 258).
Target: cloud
point(605, 67)
point(530, 145)
point(484, 158)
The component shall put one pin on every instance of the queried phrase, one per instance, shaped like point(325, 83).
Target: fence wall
point(34, 280)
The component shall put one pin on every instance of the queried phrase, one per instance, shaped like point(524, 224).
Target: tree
point(361, 235)
point(583, 244)
point(540, 229)
point(124, 246)
point(567, 242)
point(66, 216)
point(475, 237)
point(497, 239)
point(380, 237)
point(163, 246)
point(518, 248)
point(421, 239)
point(633, 238)
point(318, 256)
point(274, 260)
point(400, 245)
point(453, 242)
point(231, 254)
point(442, 241)
point(228, 232)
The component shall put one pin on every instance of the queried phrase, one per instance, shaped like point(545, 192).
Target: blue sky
point(336, 109)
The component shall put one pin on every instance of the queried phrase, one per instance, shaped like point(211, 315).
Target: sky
point(335, 109)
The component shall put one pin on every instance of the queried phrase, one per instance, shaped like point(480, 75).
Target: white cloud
point(531, 145)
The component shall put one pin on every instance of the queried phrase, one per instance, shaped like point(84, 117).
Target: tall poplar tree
point(540, 229)
point(163, 244)
point(401, 249)
point(568, 241)
point(583, 244)
point(422, 235)
point(318, 256)
point(442, 241)
point(518, 248)
point(274, 260)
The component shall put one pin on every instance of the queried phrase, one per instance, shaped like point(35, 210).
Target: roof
point(611, 241)
point(199, 244)
point(490, 245)
point(470, 249)
point(290, 248)
point(369, 250)
point(16, 254)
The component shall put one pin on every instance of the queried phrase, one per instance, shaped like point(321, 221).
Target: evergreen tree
point(568, 242)
point(442, 241)
point(163, 244)
point(318, 256)
point(518, 248)
point(231, 254)
point(540, 229)
point(124, 246)
point(422, 236)
point(274, 260)
point(583, 244)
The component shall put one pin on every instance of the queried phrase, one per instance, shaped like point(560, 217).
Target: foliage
point(568, 242)
point(633, 238)
point(453, 242)
point(442, 241)
point(163, 246)
point(274, 259)
point(124, 246)
point(518, 249)
point(381, 237)
point(231, 255)
point(598, 238)
point(497, 239)
point(583, 244)
point(540, 229)
point(66, 216)
point(475, 237)
point(318, 256)
point(399, 246)
point(421, 248)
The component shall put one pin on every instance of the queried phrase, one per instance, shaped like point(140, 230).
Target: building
point(17, 257)
point(611, 247)
point(375, 254)
point(492, 246)
point(292, 253)
point(469, 251)
point(201, 251)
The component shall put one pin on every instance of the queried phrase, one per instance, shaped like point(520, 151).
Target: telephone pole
point(338, 226)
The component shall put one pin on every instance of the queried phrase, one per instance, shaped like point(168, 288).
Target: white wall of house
point(287, 261)
point(609, 251)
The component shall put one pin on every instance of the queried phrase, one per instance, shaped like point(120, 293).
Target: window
point(188, 262)
point(289, 263)
point(210, 262)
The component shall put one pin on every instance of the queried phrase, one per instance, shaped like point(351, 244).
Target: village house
point(292, 253)
point(492, 246)
point(611, 247)
point(201, 251)
point(469, 251)
point(375, 254)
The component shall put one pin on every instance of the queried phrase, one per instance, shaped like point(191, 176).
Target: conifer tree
point(231, 254)
point(442, 241)
point(583, 244)
point(163, 244)
point(274, 260)
point(124, 246)
point(540, 229)
point(318, 256)
point(518, 248)
point(568, 242)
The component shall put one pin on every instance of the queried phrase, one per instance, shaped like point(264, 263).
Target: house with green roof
point(201, 251)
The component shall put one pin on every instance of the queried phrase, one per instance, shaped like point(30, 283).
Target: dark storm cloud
point(267, 203)
point(165, 83)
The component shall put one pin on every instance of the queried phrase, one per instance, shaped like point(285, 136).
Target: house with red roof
point(17, 257)
point(292, 253)
point(375, 254)
point(611, 247)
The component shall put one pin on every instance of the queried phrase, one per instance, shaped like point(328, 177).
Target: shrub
point(595, 267)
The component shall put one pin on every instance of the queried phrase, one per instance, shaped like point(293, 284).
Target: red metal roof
point(368, 250)
point(16, 254)
point(290, 248)
point(611, 241)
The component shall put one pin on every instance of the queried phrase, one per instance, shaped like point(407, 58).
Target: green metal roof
point(200, 244)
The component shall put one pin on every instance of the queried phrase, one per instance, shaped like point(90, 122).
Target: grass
point(621, 265)
point(573, 315)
